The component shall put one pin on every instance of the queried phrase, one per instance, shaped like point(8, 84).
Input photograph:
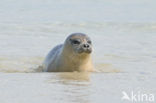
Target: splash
point(106, 68)
point(20, 64)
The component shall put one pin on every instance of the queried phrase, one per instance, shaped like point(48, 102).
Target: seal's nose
point(86, 45)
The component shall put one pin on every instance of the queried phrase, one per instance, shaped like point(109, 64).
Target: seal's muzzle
point(85, 48)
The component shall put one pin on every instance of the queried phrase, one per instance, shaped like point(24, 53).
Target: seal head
point(73, 55)
point(80, 43)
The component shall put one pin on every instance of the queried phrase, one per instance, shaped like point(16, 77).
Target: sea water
point(123, 33)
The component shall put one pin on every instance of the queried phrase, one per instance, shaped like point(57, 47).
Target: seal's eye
point(89, 42)
point(75, 41)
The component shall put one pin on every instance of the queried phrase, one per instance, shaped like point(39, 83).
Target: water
point(123, 35)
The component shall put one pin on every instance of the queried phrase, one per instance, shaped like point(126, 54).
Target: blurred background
point(121, 31)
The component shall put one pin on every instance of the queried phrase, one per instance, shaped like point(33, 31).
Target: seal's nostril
point(86, 46)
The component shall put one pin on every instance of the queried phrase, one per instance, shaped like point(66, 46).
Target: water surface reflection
point(75, 87)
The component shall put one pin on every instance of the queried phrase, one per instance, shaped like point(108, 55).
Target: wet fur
point(63, 59)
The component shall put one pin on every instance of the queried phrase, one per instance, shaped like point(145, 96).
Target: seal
point(73, 55)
